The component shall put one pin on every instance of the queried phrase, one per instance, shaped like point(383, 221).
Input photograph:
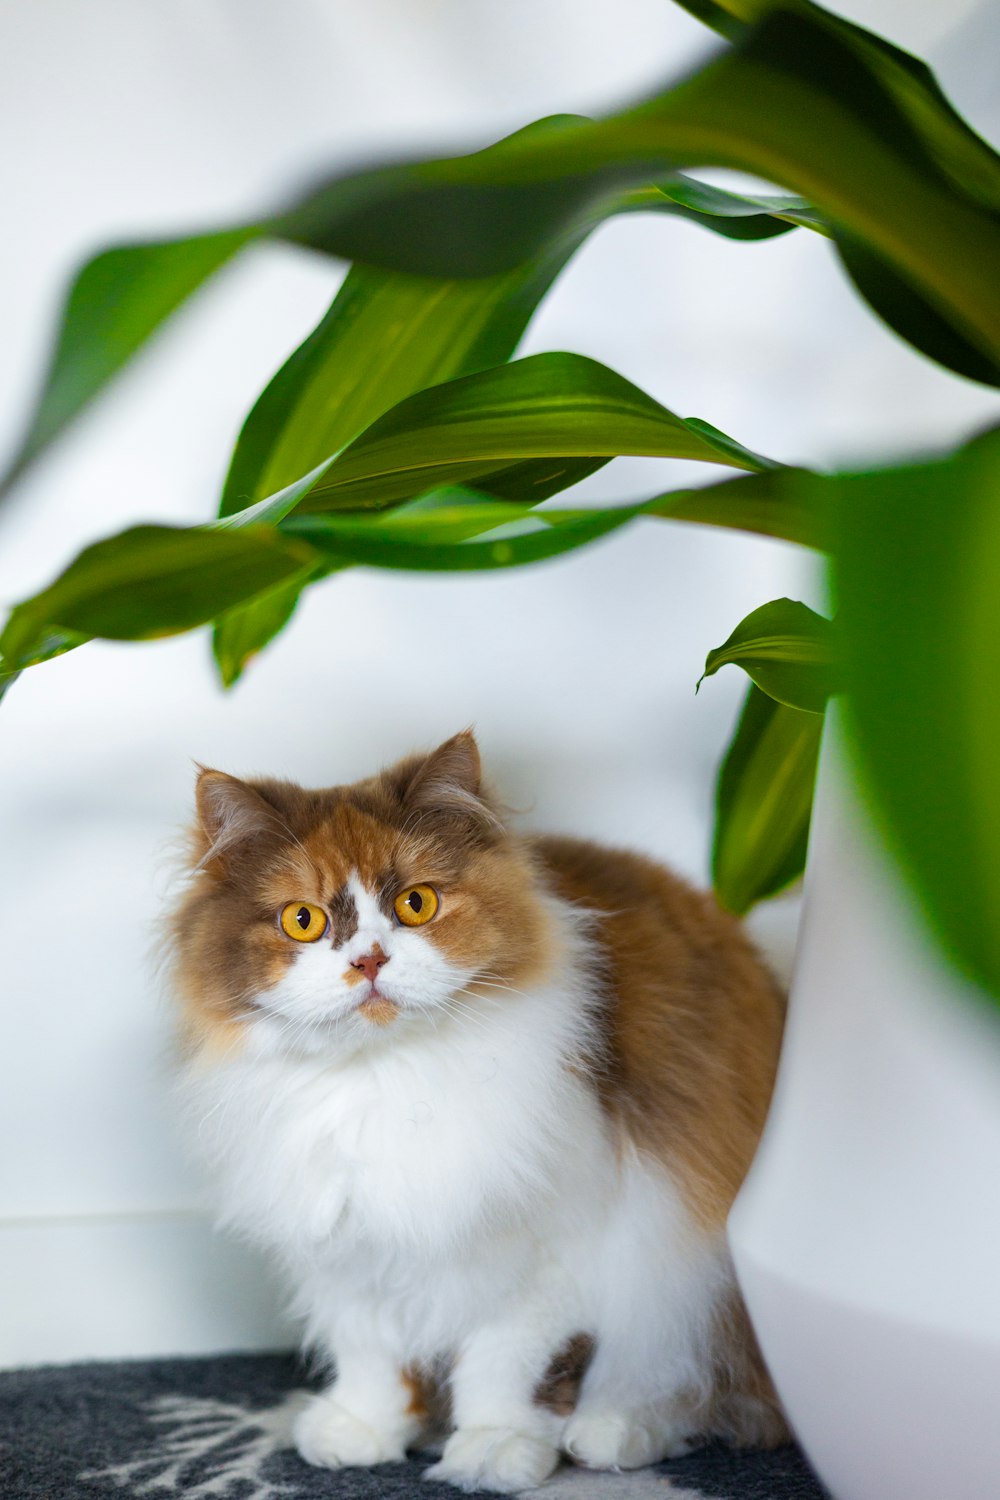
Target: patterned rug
point(218, 1429)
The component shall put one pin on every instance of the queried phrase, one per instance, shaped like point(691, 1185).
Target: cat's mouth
point(378, 1008)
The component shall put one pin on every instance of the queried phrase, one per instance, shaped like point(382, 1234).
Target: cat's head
point(322, 919)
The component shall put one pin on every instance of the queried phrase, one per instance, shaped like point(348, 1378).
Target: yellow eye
point(417, 905)
point(303, 922)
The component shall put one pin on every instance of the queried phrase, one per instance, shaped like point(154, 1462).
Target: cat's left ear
point(449, 782)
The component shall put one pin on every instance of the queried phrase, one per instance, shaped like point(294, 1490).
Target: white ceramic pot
point(867, 1235)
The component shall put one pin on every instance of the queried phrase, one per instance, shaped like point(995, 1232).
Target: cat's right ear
point(231, 815)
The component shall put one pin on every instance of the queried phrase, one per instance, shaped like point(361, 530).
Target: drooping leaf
point(946, 137)
point(385, 336)
point(388, 335)
point(764, 801)
point(802, 99)
point(116, 302)
point(549, 406)
point(918, 578)
point(155, 580)
point(121, 297)
point(150, 581)
point(453, 529)
point(736, 216)
point(787, 650)
point(242, 632)
point(790, 504)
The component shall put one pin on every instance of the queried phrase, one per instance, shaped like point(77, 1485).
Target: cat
point(487, 1099)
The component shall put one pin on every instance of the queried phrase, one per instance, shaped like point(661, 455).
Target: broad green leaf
point(242, 633)
point(150, 581)
point(737, 216)
point(446, 532)
point(454, 540)
point(918, 579)
point(549, 406)
point(945, 136)
point(787, 650)
point(804, 99)
point(120, 298)
point(812, 104)
point(385, 337)
point(790, 504)
point(763, 801)
point(156, 580)
point(115, 303)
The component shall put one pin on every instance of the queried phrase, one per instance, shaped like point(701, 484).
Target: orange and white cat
point(487, 1098)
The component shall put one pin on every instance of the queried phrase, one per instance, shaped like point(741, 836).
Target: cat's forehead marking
point(343, 916)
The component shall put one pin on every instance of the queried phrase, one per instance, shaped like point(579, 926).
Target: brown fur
point(691, 1018)
point(422, 821)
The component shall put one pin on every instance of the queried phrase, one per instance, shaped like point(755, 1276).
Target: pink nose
point(370, 964)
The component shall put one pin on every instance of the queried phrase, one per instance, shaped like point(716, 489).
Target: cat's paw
point(495, 1458)
point(328, 1436)
point(621, 1440)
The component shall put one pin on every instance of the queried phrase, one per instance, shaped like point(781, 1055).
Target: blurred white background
point(129, 121)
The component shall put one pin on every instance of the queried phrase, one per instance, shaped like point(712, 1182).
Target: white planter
point(867, 1235)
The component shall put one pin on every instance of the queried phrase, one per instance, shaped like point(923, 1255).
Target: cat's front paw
point(621, 1440)
point(495, 1458)
point(330, 1437)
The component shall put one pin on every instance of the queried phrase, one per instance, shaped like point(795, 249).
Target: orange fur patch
point(379, 1010)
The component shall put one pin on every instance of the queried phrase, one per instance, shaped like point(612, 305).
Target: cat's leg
point(504, 1439)
point(658, 1286)
point(367, 1416)
point(616, 1426)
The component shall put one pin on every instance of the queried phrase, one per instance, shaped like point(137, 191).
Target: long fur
point(521, 1138)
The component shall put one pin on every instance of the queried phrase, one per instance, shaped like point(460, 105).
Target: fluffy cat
point(488, 1099)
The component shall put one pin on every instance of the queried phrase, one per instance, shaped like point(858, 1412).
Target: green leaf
point(787, 650)
point(526, 537)
point(155, 580)
point(790, 504)
point(243, 632)
point(150, 581)
point(945, 136)
point(447, 530)
point(763, 801)
point(737, 216)
point(384, 337)
point(909, 192)
point(424, 333)
point(918, 579)
point(820, 107)
point(113, 306)
point(549, 406)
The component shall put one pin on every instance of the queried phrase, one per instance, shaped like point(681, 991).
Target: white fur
point(447, 1188)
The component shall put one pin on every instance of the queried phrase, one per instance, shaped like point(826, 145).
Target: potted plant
point(439, 455)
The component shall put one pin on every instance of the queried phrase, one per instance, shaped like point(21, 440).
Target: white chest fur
point(433, 1136)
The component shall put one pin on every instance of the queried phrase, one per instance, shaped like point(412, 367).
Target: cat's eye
point(416, 906)
point(303, 922)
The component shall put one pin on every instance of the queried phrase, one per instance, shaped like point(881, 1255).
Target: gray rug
point(218, 1429)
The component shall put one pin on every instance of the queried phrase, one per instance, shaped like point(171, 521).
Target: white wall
point(579, 674)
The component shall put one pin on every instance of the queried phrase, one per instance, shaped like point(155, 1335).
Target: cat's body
point(493, 1145)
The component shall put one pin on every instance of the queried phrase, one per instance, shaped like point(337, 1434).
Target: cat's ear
point(231, 815)
point(449, 782)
